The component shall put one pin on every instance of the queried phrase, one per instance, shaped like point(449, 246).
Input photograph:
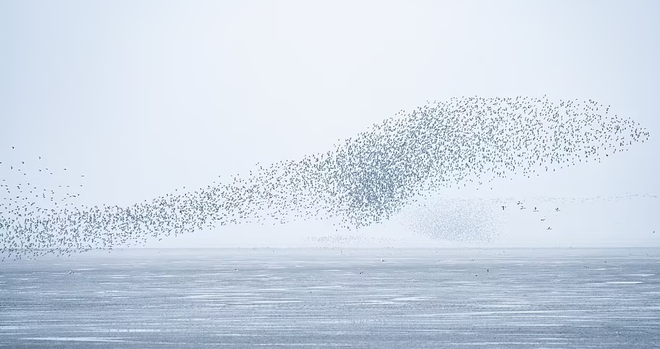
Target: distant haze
point(143, 97)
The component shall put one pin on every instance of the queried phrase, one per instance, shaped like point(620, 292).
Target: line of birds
point(341, 239)
point(362, 181)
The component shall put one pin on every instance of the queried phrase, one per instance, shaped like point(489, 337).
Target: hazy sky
point(146, 96)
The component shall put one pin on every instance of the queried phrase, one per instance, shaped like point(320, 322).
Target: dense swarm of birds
point(461, 220)
point(362, 181)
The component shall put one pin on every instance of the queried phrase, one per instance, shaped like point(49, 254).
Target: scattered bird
point(363, 180)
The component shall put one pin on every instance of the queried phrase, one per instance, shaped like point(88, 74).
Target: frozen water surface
point(545, 298)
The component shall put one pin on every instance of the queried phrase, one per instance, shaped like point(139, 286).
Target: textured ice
point(320, 298)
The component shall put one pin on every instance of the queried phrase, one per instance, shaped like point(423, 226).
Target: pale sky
point(146, 96)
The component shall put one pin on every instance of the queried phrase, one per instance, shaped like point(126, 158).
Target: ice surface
point(378, 298)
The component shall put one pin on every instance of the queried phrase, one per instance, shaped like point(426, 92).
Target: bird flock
point(363, 180)
point(482, 219)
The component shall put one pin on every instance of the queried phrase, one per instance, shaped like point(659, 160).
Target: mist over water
point(364, 180)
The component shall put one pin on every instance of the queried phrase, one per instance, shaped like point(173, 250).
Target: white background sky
point(147, 96)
